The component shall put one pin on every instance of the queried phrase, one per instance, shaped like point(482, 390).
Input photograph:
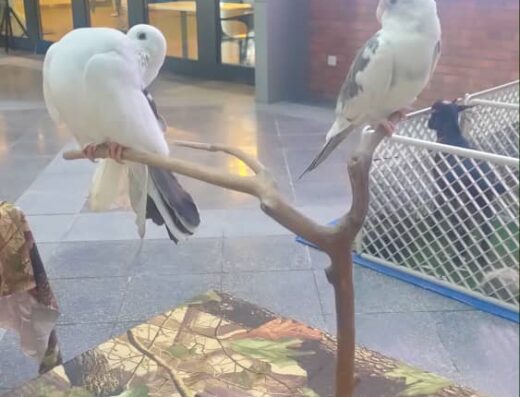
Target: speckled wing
point(365, 87)
point(368, 80)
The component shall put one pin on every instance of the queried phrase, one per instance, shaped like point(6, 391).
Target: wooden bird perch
point(336, 241)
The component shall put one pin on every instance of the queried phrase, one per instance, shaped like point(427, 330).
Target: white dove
point(387, 74)
point(94, 81)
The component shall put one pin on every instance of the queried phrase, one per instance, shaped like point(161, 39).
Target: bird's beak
point(380, 9)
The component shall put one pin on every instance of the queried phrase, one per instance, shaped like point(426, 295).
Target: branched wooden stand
point(335, 240)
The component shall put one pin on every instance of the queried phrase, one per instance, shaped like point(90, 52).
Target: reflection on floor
point(106, 279)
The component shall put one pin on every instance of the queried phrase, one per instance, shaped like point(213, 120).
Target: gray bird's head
point(406, 10)
point(151, 45)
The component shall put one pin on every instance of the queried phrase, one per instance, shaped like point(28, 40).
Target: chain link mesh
point(448, 216)
point(492, 128)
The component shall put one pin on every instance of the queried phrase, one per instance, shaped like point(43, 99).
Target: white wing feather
point(47, 91)
point(368, 81)
point(116, 105)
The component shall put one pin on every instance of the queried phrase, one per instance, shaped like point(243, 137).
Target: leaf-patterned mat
point(216, 345)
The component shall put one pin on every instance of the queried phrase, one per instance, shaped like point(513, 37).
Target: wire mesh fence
point(451, 216)
point(492, 125)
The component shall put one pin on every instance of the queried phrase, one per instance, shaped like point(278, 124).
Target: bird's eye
point(142, 36)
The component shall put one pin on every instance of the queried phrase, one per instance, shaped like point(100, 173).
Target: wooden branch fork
point(336, 241)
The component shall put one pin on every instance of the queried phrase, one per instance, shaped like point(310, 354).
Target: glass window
point(56, 18)
point(17, 16)
point(178, 22)
point(237, 32)
point(109, 13)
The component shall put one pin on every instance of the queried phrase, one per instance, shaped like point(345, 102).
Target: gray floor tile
point(289, 293)
point(121, 327)
point(92, 259)
point(68, 167)
point(238, 223)
point(56, 194)
point(15, 367)
point(152, 294)
point(297, 125)
point(377, 293)
point(47, 144)
point(321, 193)
point(192, 256)
point(17, 176)
point(46, 251)
point(75, 339)
point(264, 253)
point(89, 300)
point(410, 337)
point(213, 197)
point(50, 228)
point(103, 226)
point(484, 349)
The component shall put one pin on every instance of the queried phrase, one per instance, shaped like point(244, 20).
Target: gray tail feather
point(179, 203)
point(325, 151)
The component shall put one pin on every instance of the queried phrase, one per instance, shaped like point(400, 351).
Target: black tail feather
point(153, 213)
point(181, 208)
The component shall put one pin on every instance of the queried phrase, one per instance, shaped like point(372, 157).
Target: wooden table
point(190, 7)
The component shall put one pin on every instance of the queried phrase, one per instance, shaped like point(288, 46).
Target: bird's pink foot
point(401, 114)
point(89, 151)
point(388, 127)
point(115, 151)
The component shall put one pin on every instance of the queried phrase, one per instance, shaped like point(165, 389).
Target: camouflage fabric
point(218, 346)
point(27, 304)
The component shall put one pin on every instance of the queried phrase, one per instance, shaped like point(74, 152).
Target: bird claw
point(388, 127)
point(401, 114)
point(89, 151)
point(115, 151)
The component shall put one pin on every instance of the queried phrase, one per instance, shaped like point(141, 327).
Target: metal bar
point(137, 12)
point(486, 102)
point(474, 154)
point(492, 89)
point(208, 34)
point(184, 33)
point(80, 13)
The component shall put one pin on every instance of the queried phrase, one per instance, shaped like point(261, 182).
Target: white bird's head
point(151, 45)
point(413, 11)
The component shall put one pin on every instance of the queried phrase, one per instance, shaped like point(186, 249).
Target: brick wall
point(480, 44)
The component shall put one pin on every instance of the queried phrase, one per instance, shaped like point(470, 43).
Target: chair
point(237, 26)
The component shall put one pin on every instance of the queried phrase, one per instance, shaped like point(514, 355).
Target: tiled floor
point(106, 279)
